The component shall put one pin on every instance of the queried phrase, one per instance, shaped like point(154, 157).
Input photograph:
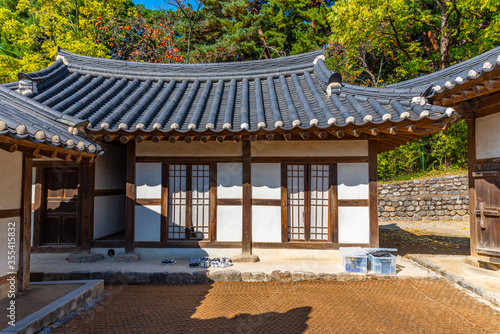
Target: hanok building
point(227, 157)
point(30, 130)
point(473, 89)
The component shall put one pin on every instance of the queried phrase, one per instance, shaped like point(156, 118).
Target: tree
point(377, 41)
point(31, 31)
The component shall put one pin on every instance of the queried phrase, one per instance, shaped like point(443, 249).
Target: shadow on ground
point(184, 309)
point(408, 242)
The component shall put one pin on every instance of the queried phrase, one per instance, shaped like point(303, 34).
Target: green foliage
point(386, 41)
point(442, 151)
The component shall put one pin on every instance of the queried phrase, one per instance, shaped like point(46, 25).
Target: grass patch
point(428, 174)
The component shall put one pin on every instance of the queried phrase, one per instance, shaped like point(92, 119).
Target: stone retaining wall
point(439, 198)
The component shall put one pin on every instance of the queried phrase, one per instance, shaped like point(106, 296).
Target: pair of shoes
point(226, 262)
point(215, 262)
point(195, 262)
point(205, 263)
point(168, 261)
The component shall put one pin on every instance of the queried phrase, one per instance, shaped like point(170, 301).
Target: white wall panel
point(229, 180)
point(353, 181)
point(310, 148)
point(354, 225)
point(194, 149)
point(148, 180)
point(266, 223)
point(11, 174)
point(488, 137)
point(110, 168)
point(229, 222)
point(109, 215)
point(147, 223)
point(266, 181)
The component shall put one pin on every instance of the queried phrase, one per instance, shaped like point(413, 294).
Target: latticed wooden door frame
point(209, 179)
point(331, 235)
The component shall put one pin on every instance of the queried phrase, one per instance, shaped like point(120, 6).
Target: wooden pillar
point(164, 202)
point(24, 250)
point(130, 200)
point(284, 202)
point(246, 244)
point(372, 189)
point(334, 204)
point(86, 198)
point(471, 147)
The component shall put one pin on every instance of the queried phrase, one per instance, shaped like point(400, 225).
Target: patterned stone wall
point(439, 198)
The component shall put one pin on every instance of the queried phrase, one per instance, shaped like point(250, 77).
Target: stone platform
point(151, 271)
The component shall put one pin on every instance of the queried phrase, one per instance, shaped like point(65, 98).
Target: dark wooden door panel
point(60, 206)
point(487, 210)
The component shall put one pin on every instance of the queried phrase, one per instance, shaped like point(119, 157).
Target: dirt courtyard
point(375, 306)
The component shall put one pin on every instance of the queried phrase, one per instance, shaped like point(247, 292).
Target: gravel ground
point(376, 306)
point(445, 238)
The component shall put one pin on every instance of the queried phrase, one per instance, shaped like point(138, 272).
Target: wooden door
point(487, 211)
point(60, 206)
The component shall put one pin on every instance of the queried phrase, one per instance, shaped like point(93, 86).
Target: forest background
point(371, 42)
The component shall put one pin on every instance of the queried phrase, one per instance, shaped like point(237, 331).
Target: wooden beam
point(236, 138)
point(23, 273)
point(220, 138)
point(338, 133)
point(467, 94)
point(188, 139)
point(493, 85)
point(108, 138)
point(284, 203)
point(322, 134)
point(140, 139)
point(67, 158)
point(392, 130)
point(372, 189)
point(304, 135)
point(13, 148)
point(455, 98)
point(204, 139)
point(253, 137)
point(156, 139)
point(164, 202)
point(86, 195)
point(173, 139)
point(356, 132)
point(287, 136)
point(480, 90)
point(246, 244)
point(471, 156)
point(374, 131)
point(270, 136)
point(130, 198)
point(409, 128)
point(125, 139)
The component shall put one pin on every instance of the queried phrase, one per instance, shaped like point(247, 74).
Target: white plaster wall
point(229, 180)
point(147, 223)
point(229, 222)
point(311, 148)
point(488, 137)
point(11, 174)
point(109, 215)
point(148, 180)
point(193, 149)
point(266, 223)
point(353, 180)
point(4, 225)
point(266, 181)
point(110, 168)
point(354, 225)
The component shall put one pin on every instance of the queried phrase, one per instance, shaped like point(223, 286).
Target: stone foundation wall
point(440, 198)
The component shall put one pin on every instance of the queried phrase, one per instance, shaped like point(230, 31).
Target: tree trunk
point(445, 35)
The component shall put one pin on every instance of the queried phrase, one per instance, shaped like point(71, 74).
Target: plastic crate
point(382, 265)
point(354, 259)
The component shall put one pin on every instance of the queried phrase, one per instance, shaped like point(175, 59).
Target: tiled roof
point(284, 93)
point(24, 119)
point(443, 80)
